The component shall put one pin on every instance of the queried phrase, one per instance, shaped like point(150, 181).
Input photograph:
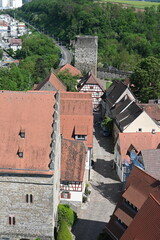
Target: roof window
point(20, 154)
point(80, 137)
point(22, 134)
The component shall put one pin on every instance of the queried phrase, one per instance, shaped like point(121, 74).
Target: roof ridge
point(154, 198)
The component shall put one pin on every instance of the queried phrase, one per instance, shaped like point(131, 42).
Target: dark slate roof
point(115, 91)
point(120, 106)
point(128, 115)
point(151, 160)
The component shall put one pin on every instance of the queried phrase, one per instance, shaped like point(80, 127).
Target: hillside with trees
point(37, 57)
point(125, 36)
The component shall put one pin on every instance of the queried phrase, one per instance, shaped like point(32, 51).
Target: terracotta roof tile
point(146, 224)
point(31, 112)
point(76, 111)
point(73, 159)
point(139, 140)
point(138, 187)
point(153, 110)
point(72, 70)
point(54, 80)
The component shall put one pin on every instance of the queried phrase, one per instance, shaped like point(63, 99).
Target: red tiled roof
point(138, 187)
point(72, 70)
point(16, 41)
point(119, 213)
point(139, 140)
point(146, 224)
point(81, 130)
point(55, 81)
point(73, 159)
point(153, 110)
point(33, 113)
point(76, 112)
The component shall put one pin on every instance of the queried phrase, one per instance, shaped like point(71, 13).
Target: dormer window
point(20, 154)
point(80, 137)
point(22, 134)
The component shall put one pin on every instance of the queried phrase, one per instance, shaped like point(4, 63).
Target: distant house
point(73, 159)
point(114, 94)
point(137, 213)
point(76, 121)
point(153, 110)
point(72, 70)
point(15, 44)
point(132, 119)
point(127, 148)
point(51, 83)
point(150, 160)
point(91, 84)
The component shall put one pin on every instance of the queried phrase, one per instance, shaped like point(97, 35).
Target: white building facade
point(4, 4)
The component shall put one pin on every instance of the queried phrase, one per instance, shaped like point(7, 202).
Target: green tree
point(69, 80)
point(146, 79)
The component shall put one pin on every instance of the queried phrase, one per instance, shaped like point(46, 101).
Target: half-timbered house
point(73, 157)
point(91, 85)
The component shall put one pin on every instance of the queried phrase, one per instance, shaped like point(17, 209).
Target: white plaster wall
point(118, 161)
point(75, 197)
point(88, 159)
point(142, 121)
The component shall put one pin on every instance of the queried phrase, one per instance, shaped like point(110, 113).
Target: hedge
point(64, 233)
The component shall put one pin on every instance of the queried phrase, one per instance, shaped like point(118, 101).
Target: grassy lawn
point(136, 4)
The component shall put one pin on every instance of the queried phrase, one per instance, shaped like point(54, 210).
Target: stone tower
point(86, 49)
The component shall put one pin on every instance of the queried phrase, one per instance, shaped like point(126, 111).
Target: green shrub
point(108, 123)
point(84, 199)
point(65, 213)
point(64, 233)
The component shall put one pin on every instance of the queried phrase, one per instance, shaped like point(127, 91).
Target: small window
point(20, 154)
point(139, 129)
point(14, 220)
point(22, 134)
point(65, 195)
point(27, 198)
point(80, 137)
point(31, 198)
point(153, 131)
point(91, 87)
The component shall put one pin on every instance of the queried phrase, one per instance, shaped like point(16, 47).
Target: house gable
point(143, 123)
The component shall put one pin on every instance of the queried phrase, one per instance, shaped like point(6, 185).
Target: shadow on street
point(105, 168)
point(105, 142)
point(111, 191)
point(87, 229)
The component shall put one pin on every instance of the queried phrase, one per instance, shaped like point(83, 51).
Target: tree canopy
point(125, 36)
point(38, 55)
point(146, 79)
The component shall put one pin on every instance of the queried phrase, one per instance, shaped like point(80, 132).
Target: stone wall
point(31, 219)
point(86, 50)
point(104, 73)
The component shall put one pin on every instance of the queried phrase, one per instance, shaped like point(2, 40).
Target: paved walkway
point(105, 191)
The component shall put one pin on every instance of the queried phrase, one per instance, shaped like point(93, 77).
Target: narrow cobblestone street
point(105, 188)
